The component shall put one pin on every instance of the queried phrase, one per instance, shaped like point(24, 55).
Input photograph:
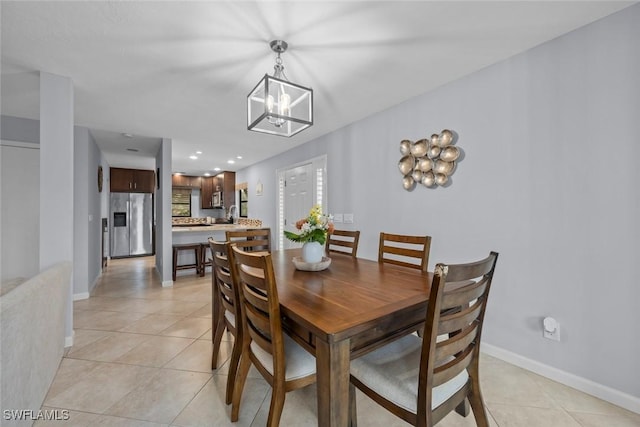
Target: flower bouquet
point(314, 227)
point(313, 233)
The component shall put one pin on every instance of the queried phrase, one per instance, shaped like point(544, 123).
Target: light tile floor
point(142, 356)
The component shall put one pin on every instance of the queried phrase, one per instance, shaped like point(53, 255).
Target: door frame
point(320, 191)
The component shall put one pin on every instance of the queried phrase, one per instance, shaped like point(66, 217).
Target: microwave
point(216, 199)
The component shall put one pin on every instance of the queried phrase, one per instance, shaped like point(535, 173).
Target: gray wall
point(19, 129)
point(163, 214)
point(88, 208)
point(87, 201)
point(56, 179)
point(550, 180)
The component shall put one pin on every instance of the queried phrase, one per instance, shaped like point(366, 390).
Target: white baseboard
point(68, 341)
point(80, 296)
point(167, 283)
point(624, 400)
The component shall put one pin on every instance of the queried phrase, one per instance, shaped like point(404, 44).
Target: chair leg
point(277, 403)
point(241, 377)
point(233, 370)
point(217, 339)
point(175, 264)
point(477, 405)
point(353, 410)
point(463, 408)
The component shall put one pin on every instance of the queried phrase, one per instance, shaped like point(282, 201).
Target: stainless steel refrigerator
point(131, 224)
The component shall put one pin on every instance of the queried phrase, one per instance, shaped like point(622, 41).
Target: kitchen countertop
point(207, 228)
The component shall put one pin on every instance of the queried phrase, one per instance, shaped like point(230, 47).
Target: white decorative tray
point(311, 266)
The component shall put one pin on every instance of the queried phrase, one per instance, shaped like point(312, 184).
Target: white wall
point(549, 180)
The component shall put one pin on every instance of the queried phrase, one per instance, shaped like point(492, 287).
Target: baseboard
point(167, 284)
point(68, 341)
point(600, 391)
point(80, 296)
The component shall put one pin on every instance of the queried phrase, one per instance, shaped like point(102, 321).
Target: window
point(181, 202)
point(243, 196)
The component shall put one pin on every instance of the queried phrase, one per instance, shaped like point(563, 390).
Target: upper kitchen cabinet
point(207, 188)
point(229, 189)
point(132, 180)
point(223, 184)
point(185, 181)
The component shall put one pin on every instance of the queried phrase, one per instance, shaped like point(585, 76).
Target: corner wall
point(87, 212)
point(549, 180)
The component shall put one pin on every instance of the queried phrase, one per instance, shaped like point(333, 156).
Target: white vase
point(312, 252)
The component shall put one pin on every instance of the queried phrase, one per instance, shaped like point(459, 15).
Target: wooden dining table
point(352, 307)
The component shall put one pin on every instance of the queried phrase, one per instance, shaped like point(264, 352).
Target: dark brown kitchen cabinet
point(132, 180)
point(224, 183)
point(185, 181)
point(229, 189)
point(207, 187)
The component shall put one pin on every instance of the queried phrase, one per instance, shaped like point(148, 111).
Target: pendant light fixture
point(278, 106)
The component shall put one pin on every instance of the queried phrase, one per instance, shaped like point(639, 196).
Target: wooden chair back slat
point(343, 241)
point(464, 295)
point(445, 372)
point(461, 319)
point(452, 346)
point(252, 240)
point(406, 251)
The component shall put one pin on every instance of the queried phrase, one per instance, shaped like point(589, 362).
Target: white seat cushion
point(230, 317)
point(299, 363)
point(392, 371)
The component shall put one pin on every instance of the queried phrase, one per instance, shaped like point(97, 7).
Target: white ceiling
point(182, 70)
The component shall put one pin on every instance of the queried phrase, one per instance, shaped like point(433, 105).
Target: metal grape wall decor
point(429, 162)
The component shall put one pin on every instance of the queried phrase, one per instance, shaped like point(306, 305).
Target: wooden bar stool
point(204, 262)
point(196, 247)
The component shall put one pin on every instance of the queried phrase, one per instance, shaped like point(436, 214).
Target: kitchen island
point(200, 234)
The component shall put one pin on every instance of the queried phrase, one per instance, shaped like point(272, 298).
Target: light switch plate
point(337, 218)
point(348, 218)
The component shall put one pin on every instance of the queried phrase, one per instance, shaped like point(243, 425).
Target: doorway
point(300, 187)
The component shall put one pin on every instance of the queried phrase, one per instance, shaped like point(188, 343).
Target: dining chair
point(407, 251)
point(423, 379)
point(345, 243)
point(226, 311)
point(251, 240)
point(284, 364)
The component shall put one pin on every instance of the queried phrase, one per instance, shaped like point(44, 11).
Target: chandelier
point(277, 106)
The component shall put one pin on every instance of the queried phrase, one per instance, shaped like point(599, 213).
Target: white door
point(300, 187)
point(298, 197)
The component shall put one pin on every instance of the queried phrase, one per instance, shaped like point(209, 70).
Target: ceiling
point(182, 70)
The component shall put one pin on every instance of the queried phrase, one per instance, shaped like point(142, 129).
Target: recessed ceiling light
point(127, 135)
point(207, 174)
point(216, 169)
point(238, 157)
point(193, 157)
point(198, 152)
point(231, 161)
point(177, 173)
point(135, 150)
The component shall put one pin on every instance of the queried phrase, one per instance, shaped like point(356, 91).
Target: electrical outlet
point(337, 218)
point(551, 329)
point(348, 218)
